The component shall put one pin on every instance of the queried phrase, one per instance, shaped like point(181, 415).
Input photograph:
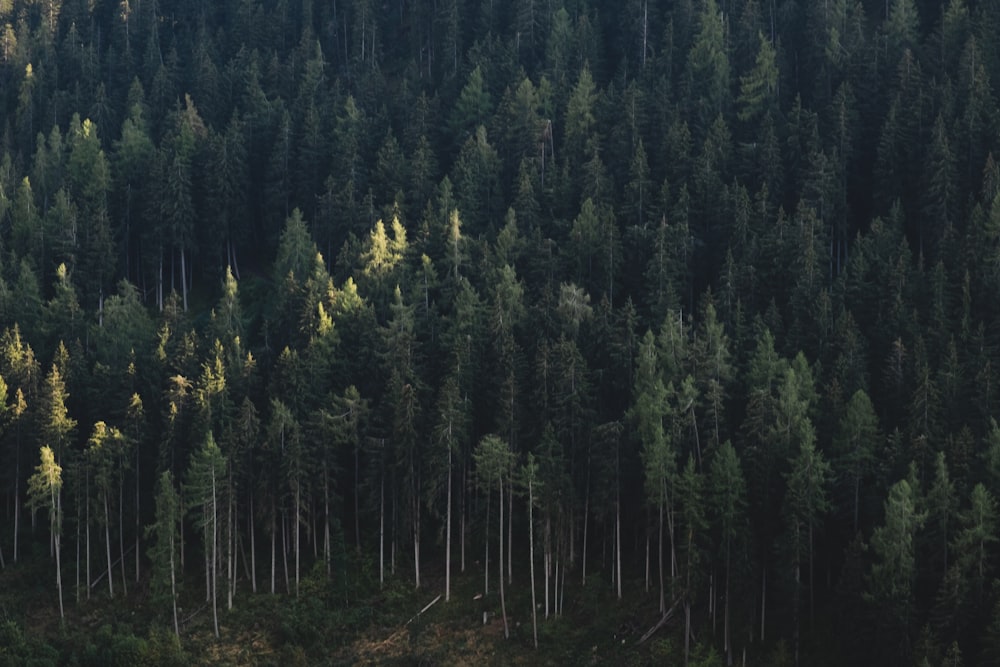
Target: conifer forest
point(559, 332)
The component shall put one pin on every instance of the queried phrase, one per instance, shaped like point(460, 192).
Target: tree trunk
point(795, 611)
point(159, 283)
point(138, 527)
point(62, 613)
point(486, 540)
point(87, 518)
point(586, 522)
point(659, 557)
point(381, 531)
point(230, 545)
point(687, 629)
point(547, 559)
point(284, 550)
point(78, 556)
point(562, 592)
point(763, 602)
point(184, 292)
point(274, 540)
point(253, 549)
point(208, 552)
point(618, 548)
point(510, 533)
point(555, 587)
point(235, 546)
point(326, 521)
point(447, 539)
point(215, 543)
point(503, 603)
point(812, 601)
point(461, 517)
point(531, 554)
point(392, 529)
point(17, 491)
point(121, 531)
point(107, 542)
point(173, 581)
point(357, 504)
point(727, 647)
point(415, 500)
point(298, 524)
point(648, 564)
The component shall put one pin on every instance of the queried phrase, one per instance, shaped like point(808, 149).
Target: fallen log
point(663, 621)
point(113, 565)
point(429, 605)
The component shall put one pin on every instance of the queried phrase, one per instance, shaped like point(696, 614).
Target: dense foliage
point(692, 303)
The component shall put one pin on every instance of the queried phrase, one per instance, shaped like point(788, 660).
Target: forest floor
point(325, 625)
point(331, 622)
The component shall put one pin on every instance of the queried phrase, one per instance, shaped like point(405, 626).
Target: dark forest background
point(682, 310)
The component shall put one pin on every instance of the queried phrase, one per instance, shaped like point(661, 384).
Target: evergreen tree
point(164, 553)
point(45, 490)
point(204, 490)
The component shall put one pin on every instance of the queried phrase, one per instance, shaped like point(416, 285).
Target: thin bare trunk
point(763, 602)
point(486, 539)
point(503, 603)
point(159, 283)
point(78, 555)
point(17, 491)
point(812, 602)
point(510, 534)
point(547, 560)
point(725, 623)
point(531, 553)
point(447, 540)
point(381, 531)
point(121, 533)
point(234, 550)
point(173, 583)
point(107, 541)
point(184, 287)
point(137, 519)
point(555, 587)
point(284, 550)
point(215, 547)
point(326, 521)
point(618, 548)
point(586, 522)
point(298, 524)
point(392, 533)
point(208, 554)
point(62, 613)
point(562, 592)
point(796, 622)
point(461, 518)
point(416, 536)
point(274, 540)
point(648, 564)
point(87, 515)
point(659, 558)
point(253, 550)
point(357, 504)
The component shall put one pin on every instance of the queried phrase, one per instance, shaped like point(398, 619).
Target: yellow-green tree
point(45, 491)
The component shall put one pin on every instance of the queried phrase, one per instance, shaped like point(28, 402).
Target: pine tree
point(893, 574)
point(45, 490)
point(204, 490)
point(727, 506)
point(164, 553)
point(494, 463)
point(650, 410)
